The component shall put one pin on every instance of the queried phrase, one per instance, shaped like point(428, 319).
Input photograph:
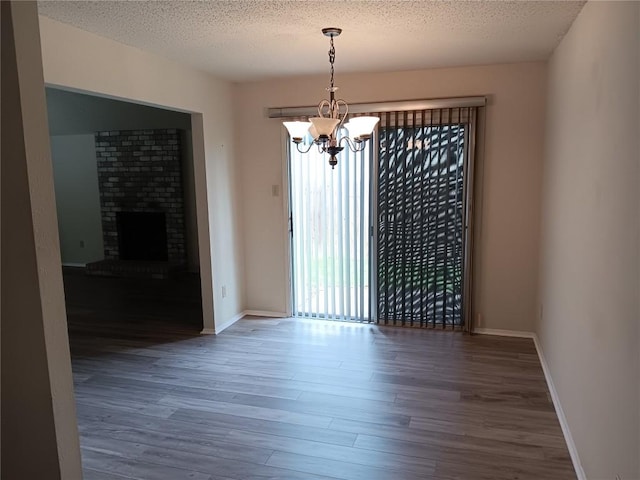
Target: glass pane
point(330, 242)
point(421, 225)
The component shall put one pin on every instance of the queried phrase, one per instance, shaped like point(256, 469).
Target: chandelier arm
point(324, 104)
point(346, 112)
point(303, 151)
point(354, 146)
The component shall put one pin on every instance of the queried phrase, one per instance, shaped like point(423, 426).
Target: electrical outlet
point(224, 291)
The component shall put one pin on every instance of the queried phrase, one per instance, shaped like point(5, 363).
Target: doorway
point(125, 199)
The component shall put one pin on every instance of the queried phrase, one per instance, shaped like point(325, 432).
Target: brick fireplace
point(141, 200)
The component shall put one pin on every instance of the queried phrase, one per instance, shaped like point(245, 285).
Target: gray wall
point(73, 113)
point(75, 176)
point(189, 190)
point(73, 120)
point(589, 312)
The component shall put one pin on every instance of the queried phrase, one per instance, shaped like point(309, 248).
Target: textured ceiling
point(246, 40)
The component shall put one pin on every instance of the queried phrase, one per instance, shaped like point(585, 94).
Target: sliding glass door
point(330, 235)
point(386, 235)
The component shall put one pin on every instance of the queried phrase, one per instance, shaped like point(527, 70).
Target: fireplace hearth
point(142, 236)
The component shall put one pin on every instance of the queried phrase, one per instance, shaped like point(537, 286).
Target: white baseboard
point(258, 313)
point(219, 328)
point(228, 323)
point(72, 264)
point(264, 313)
point(573, 451)
point(504, 333)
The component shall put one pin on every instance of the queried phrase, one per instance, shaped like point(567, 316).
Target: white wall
point(76, 59)
point(75, 175)
point(38, 409)
point(507, 240)
point(590, 236)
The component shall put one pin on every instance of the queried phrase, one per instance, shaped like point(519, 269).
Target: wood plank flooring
point(297, 399)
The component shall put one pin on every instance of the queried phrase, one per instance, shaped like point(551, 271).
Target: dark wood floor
point(297, 399)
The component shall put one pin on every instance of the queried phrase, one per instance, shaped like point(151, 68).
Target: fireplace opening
point(142, 236)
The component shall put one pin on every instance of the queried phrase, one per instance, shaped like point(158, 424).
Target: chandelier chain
point(332, 58)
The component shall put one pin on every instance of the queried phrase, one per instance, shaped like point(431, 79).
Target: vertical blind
point(421, 226)
point(330, 228)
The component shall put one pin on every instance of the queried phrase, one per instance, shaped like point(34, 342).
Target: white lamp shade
point(313, 131)
point(297, 129)
point(359, 126)
point(324, 126)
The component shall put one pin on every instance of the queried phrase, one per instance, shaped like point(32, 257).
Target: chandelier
point(331, 116)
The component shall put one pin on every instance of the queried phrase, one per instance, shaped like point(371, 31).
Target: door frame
point(476, 104)
point(287, 216)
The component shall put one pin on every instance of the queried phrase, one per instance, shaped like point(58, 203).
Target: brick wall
point(140, 171)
